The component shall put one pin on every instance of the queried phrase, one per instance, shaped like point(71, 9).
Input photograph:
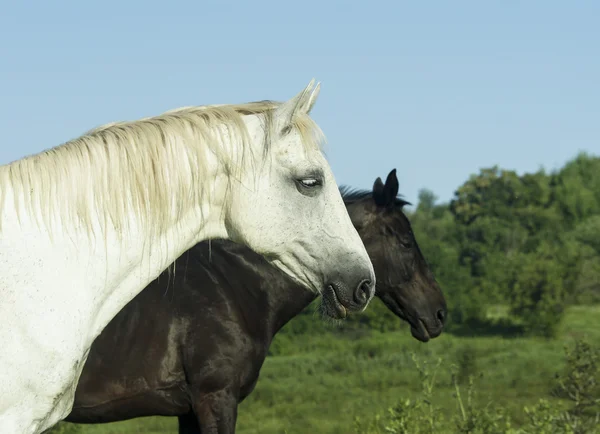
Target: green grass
point(323, 381)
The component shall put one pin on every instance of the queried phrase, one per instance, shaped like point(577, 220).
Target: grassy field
point(321, 383)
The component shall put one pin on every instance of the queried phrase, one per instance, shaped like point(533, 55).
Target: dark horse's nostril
point(363, 292)
point(441, 315)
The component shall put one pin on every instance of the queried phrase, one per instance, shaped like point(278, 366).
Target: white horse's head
point(290, 210)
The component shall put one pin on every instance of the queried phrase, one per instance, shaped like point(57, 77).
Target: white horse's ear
point(302, 103)
point(312, 99)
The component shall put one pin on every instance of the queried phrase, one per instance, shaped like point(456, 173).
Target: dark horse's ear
point(385, 195)
point(378, 194)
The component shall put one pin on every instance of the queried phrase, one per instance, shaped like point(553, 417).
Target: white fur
point(87, 225)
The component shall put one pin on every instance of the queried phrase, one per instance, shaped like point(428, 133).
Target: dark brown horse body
point(192, 345)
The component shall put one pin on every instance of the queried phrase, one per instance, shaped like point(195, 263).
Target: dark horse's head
point(404, 281)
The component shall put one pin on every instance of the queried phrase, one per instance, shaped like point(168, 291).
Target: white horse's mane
point(154, 167)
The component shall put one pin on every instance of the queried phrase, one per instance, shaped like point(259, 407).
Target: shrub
point(578, 384)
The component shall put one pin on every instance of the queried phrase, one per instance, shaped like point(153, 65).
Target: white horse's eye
point(310, 182)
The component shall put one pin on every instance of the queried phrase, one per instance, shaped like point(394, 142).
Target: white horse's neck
point(47, 261)
point(106, 259)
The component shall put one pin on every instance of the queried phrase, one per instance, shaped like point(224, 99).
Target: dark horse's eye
point(406, 243)
point(408, 240)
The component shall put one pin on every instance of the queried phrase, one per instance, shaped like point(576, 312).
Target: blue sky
point(435, 89)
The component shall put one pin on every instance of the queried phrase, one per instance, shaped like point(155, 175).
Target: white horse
point(87, 225)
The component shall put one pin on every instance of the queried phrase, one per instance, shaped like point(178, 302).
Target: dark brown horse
point(196, 350)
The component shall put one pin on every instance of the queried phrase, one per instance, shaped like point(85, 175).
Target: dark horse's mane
point(352, 195)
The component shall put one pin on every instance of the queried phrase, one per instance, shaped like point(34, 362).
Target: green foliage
point(580, 380)
point(538, 291)
point(579, 383)
point(422, 417)
point(66, 428)
point(586, 235)
point(466, 366)
point(531, 241)
point(577, 189)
